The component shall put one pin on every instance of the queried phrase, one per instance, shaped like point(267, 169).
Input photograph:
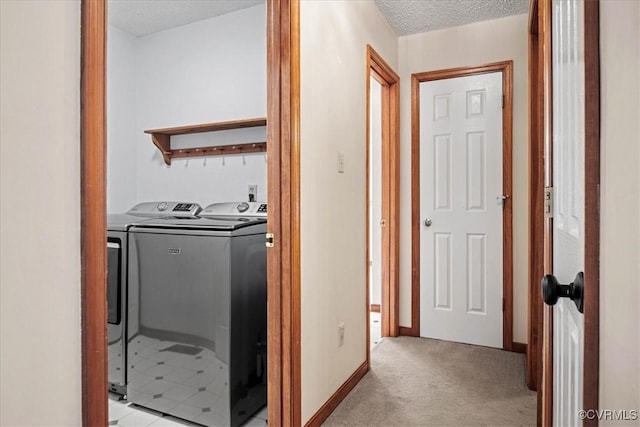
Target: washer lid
point(209, 223)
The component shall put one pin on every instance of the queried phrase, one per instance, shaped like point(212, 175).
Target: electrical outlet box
point(253, 193)
point(340, 334)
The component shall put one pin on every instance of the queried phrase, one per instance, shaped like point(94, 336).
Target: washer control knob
point(162, 206)
point(242, 207)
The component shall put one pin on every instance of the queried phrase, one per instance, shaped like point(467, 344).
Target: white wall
point(475, 44)
point(333, 40)
point(620, 206)
point(121, 121)
point(40, 213)
point(211, 70)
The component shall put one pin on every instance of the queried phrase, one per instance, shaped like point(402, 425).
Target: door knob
point(427, 222)
point(552, 290)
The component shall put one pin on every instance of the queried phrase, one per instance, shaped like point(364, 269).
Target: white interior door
point(461, 209)
point(568, 213)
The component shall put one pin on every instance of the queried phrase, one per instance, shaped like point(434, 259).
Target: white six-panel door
point(460, 200)
point(568, 212)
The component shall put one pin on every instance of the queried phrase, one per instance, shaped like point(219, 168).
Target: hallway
point(420, 382)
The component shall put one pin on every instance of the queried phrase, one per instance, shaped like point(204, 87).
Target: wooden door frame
point(545, 387)
point(389, 80)
point(536, 198)
point(93, 227)
point(592, 213)
point(506, 68)
point(283, 153)
point(283, 64)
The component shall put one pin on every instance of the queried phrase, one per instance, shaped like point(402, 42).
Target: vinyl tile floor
point(125, 414)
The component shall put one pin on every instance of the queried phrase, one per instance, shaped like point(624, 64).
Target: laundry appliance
point(117, 233)
point(198, 321)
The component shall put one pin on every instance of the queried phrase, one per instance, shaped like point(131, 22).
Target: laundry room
point(186, 203)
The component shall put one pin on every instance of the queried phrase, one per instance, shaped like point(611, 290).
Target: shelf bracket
point(163, 142)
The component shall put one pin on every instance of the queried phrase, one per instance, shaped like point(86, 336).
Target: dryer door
point(116, 310)
point(114, 280)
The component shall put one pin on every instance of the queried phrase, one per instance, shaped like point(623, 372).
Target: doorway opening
point(383, 196)
point(283, 381)
point(376, 222)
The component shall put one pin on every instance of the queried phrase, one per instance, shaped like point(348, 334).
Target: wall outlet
point(253, 193)
point(340, 162)
point(340, 334)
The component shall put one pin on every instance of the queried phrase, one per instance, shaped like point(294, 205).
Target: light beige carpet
point(424, 382)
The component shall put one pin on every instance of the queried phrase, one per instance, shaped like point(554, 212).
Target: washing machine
point(117, 233)
point(197, 346)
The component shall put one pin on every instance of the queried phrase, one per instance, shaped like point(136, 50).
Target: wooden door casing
point(94, 213)
point(381, 71)
point(536, 201)
point(284, 214)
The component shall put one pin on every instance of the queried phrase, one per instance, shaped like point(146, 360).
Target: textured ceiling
point(142, 17)
point(418, 16)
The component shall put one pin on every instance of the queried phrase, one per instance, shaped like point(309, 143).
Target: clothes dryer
point(117, 242)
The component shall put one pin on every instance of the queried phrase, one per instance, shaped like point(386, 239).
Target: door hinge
point(503, 305)
point(503, 101)
point(269, 243)
point(548, 202)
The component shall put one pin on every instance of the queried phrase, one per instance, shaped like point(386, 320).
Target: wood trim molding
point(274, 268)
point(414, 330)
point(93, 213)
point(284, 215)
point(407, 331)
point(330, 405)
point(536, 198)
point(533, 17)
point(294, 235)
point(378, 68)
point(367, 112)
point(545, 390)
point(506, 68)
point(592, 210)
point(283, 170)
point(519, 347)
point(507, 216)
point(451, 73)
